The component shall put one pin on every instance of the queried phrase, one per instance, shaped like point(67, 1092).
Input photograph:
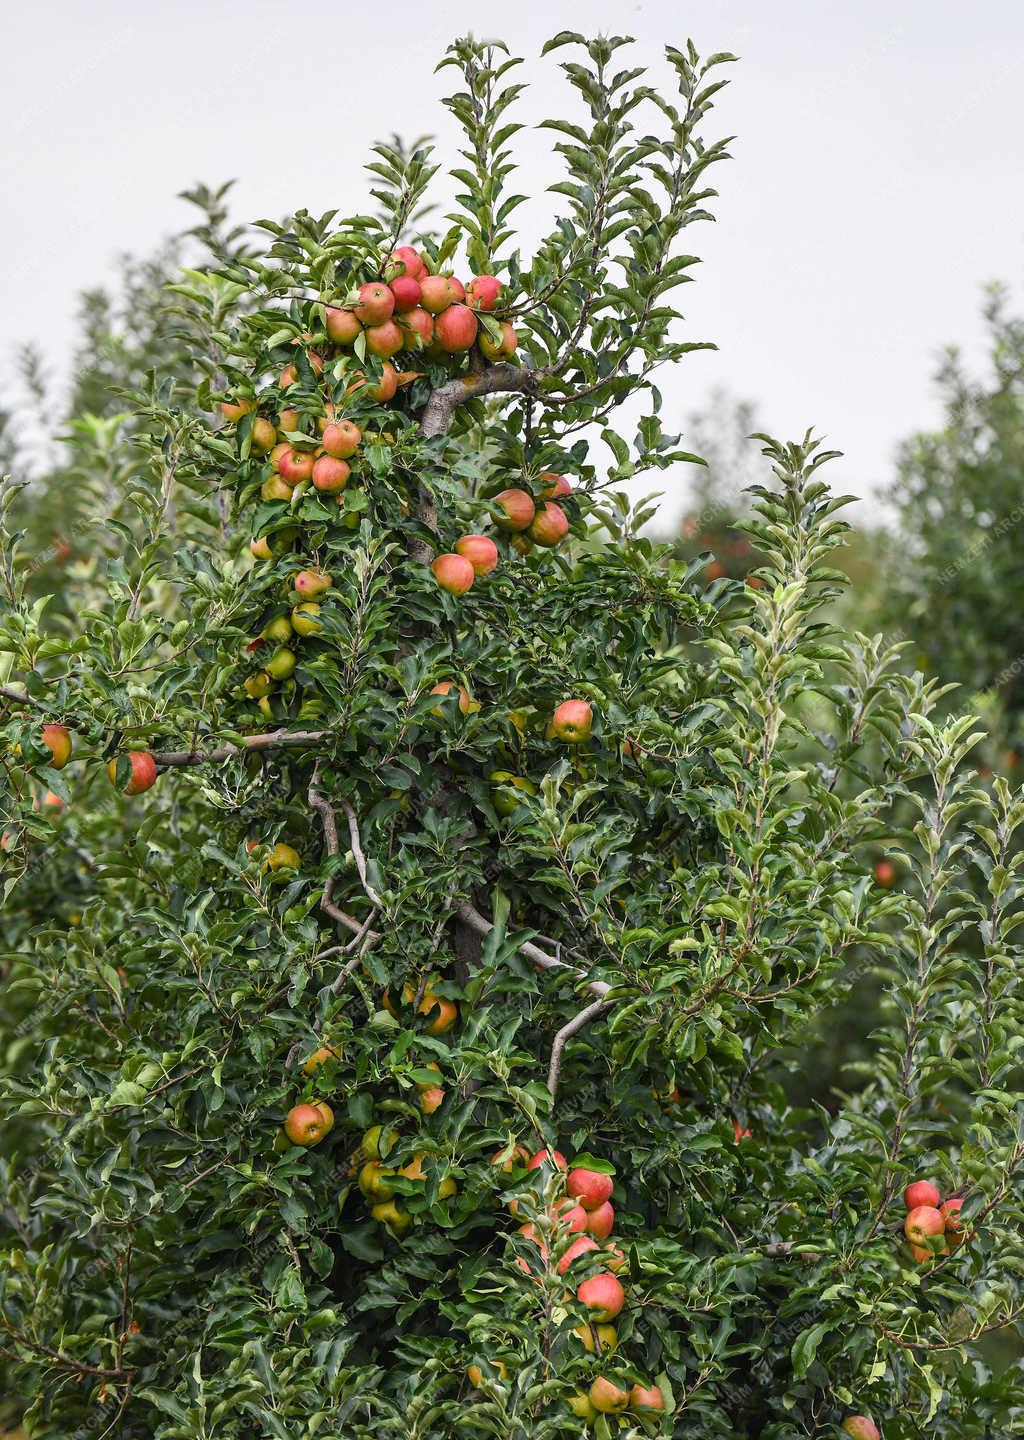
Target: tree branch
point(360, 929)
point(571, 1028)
point(482, 926)
point(273, 740)
point(360, 858)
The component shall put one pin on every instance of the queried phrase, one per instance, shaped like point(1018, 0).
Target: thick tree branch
point(439, 411)
point(273, 740)
point(573, 1027)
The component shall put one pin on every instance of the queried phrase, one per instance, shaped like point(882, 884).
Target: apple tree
point(459, 873)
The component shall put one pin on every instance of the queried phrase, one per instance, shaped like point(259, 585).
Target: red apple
point(590, 1187)
point(343, 326)
point(516, 509)
point(571, 722)
point(950, 1212)
point(885, 873)
point(861, 1428)
point(375, 304)
point(57, 740)
point(341, 439)
point(579, 1246)
point(381, 390)
point(385, 340)
point(418, 326)
point(453, 573)
point(923, 1223)
point(235, 409)
point(549, 525)
point(436, 293)
point(571, 1216)
point(308, 1124)
point(600, 1221)
point(607, 1397)
point(331, 475)
point(406, 291)
point(456, 289)
point(311, 583)
point(295, 465)
point(554, 485)
point(482, 292)
point(480, 551)
point(603, 1295)
point(456, 328)
point(550, 1157)
point(921, 1192)
point(646, 1400)
point(404, 261)
point(502, 349)
point(143, 773)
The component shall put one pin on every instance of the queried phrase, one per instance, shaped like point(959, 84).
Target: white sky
point(876, 184)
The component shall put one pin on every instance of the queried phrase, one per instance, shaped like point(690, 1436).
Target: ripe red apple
point(436, 293)
point(381, 390)
point(861, 1428)
point(418, 326)
point(950, 1212)
point(57, 740)
point(579, 1246)
point(554, 485)
point(453, 573)
point(714, 570)
point(385, 340)
point(404, 261)
point(376, 303)
point(549, 525)
point(308, 1124)
point(571, 722)
point(431, 1099)
point(646, 1400)
point(550, 1157)
point(607, 1397)
point(343, 326)
point(406, 291)
point(921, 1192)
point(456, 289)
point(341, 438)
point(311, 583)
point(600, 1221)
point(502, 349)
point(143, 773)
point(922, 1224)
point(590, 1187)
point(571, 1216)
point(480, 551)
point(330, 475)
point(515, 509)
point(455, 329)
point(615, 1258)
point(482, 292)
point(295, 465)
point(885, 873)
point(603, 1294)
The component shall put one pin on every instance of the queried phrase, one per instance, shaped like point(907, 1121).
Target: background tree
point(385, 888)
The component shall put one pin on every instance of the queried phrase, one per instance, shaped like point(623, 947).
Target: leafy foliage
point(606, 947)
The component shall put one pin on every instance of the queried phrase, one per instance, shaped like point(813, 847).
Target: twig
point(363, 935)
point(571, 1028)
point(360, 858)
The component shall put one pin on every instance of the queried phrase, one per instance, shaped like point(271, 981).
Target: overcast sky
point(876, 184)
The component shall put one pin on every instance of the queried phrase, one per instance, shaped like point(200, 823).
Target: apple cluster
point(933, 1225)
point(524, 520)
point(585, 1218)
